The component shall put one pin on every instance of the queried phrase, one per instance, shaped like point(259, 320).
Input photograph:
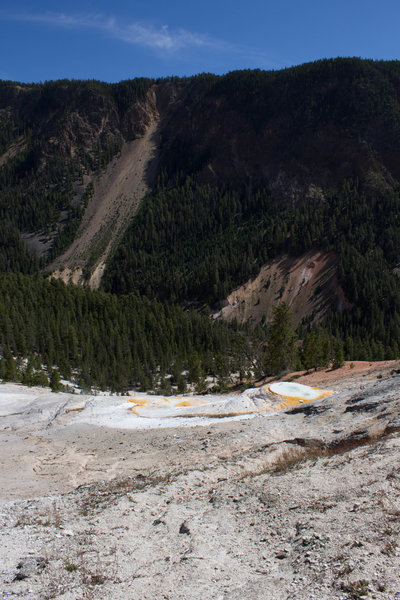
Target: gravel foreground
point(298, 505)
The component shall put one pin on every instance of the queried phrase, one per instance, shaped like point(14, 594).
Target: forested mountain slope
point(56, 140)
point(295, 134)
point(182, 190)
point(260, 165)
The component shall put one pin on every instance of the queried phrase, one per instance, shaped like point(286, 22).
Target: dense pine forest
point(105, 341)
point(252, 165)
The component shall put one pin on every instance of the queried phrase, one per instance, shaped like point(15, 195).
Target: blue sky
point(43, 39)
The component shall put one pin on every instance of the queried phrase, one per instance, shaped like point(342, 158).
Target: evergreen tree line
point(105, 341)
point(194, 243)
point(98, 340)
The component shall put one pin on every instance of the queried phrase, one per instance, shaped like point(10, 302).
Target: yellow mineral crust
point(139, 402)
point(192, 402)
point(276, 396)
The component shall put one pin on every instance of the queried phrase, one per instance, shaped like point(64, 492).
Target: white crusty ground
point(217, 511)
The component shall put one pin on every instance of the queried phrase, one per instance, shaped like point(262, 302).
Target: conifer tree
point(281, 345)
point(338, 360)
point(55, 381)
point(10, 370)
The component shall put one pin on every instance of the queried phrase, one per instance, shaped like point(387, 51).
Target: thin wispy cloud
point(157, 38)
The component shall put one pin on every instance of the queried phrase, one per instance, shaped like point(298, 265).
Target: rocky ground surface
point(299, 504)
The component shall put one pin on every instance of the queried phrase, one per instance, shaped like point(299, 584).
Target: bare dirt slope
point(298, 505)
point(13, 150)
point(116, 198)
point(308, 284)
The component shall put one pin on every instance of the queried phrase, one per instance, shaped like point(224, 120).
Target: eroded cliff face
point(308, 284)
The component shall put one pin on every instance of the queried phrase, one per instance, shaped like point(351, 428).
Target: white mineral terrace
point(39, 407)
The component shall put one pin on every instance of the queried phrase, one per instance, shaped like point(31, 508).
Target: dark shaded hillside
point(315, 124)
